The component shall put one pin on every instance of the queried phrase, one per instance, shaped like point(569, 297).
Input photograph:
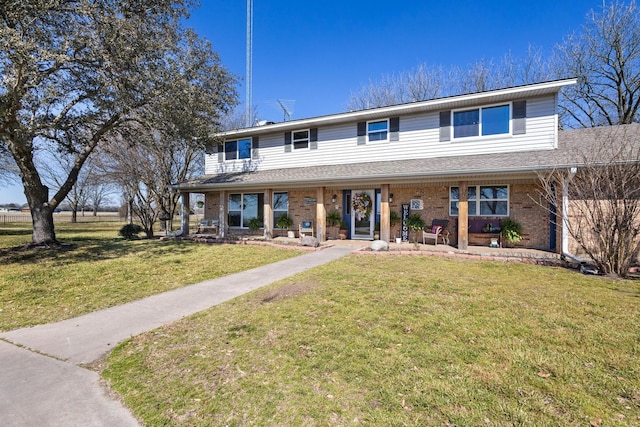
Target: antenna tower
point(249, 76)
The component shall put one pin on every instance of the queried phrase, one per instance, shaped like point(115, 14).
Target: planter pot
point(398, 240)
point(291, 234)
point(343, 234)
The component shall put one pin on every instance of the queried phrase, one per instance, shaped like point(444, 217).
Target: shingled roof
point(574, 146)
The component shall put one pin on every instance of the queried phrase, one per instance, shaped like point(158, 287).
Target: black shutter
point(394, 124)
point(255, 144)
point(313, 138)
point(220, 152)
point(287, 142)
point(362, 133)
point(445, 125)
point(394, 129)
point(519, 117)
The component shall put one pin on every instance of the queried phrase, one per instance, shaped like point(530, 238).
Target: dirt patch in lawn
point(288, 290)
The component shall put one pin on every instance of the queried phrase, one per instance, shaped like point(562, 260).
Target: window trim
point(260, 208)
point(237, 150)
point(278, 212)
point(477, 200)
point(386, 130)
point(298, 141)
point(480, 118)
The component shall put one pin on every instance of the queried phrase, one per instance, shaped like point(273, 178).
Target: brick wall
point(523, 209)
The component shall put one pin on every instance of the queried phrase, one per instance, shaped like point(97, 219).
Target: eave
point(440, 104)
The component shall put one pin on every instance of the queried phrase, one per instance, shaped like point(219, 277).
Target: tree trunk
point(41, 217)
point(74, 216)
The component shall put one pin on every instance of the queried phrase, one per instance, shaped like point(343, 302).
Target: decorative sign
point(417, 204)
point(405, 217)
point(309, 201)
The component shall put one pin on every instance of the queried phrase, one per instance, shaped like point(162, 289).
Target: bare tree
point(605, 57)
point(55, 167)
point(426, 82)
point(603, 189)
point(172, 134)
point(98, 193)
point(145, 172)
point(78, 72)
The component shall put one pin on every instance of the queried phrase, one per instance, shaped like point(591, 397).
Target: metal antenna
point(286, 105)
point(249, 76)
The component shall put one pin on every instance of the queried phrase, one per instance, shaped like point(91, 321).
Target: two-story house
point(468, 159)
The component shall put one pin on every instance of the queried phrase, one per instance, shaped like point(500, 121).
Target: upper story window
point(240, 149)
point(482, 121)
point(300, 138)
point(378, 130)
point(483, 200)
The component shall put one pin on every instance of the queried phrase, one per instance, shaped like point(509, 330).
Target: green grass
point(397, 340)
point(102, 270)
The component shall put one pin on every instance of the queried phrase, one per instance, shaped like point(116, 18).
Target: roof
point(575, 148)
point(439, 104)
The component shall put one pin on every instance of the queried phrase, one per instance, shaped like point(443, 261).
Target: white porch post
point(463, 216)
point(222, 217)
point(321, 215)
point(385, 223)
point(565, 210)
point(184, 214)
point(268, 214)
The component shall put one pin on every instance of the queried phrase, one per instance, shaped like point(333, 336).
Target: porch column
point(184, 214)
point(565, 218)
point(463, 216)
point(222, 217)
point(268, 214)
point(565, 210)
point(385, 224)
point(321, 215)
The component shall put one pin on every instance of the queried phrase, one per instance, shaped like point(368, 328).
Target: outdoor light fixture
point(334, 198)
point(391, 198)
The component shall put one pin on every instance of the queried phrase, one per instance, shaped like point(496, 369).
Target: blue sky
point(317, 53)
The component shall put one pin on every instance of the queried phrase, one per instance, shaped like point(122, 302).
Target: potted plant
point(254, 224)
point(344, 230)
point(333, 218)
point(284, 222)
point(510, 230)
point(394, 220)
point(415, 223)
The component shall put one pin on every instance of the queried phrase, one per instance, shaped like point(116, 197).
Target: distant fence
point(62, 217)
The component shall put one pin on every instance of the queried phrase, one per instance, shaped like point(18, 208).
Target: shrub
point(511, 230)
point(130, 231)
point(284, 221)
point(255, 224)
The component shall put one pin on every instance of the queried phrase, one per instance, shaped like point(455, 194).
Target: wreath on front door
point(361, 206)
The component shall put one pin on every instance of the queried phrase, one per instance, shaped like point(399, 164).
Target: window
point(280, 205)
point(484, 200)
point(481, 121)
point(240, 149)
point(377, 131)
point(244, 207)
point(300, 139)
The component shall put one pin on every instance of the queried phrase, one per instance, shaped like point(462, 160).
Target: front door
point(362, 214)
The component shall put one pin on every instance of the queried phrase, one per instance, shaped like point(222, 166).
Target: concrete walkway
point(43, 383)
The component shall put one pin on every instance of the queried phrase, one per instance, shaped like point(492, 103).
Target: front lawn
point(100, 270)
point(397, 340)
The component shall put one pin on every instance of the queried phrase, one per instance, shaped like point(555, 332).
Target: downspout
point(565, 217)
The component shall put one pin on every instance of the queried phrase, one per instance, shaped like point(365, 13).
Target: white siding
point(419, 138)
